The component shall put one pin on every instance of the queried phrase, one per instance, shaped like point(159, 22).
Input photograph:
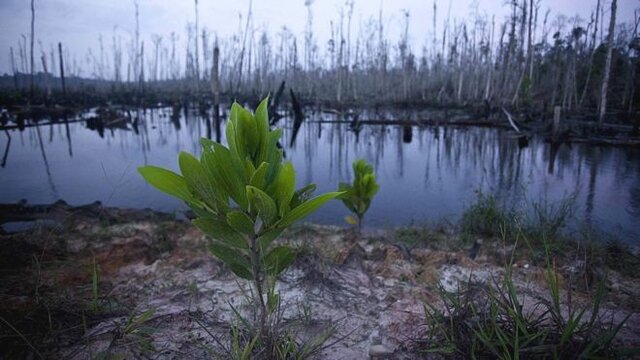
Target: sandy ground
point(373, 289)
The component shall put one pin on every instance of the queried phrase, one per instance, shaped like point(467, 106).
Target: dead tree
point(13, 68)
point(43, 58)
point(33, 22)
point(340, 59)
point(197, 62)
point(593, 51)
point(215, 89)
point(64, 86)
point(141, 79)
point(157, 41)
point(244, 47)
point(136, 46)
point(487, 88)
point(607, 66)
point(117, 59)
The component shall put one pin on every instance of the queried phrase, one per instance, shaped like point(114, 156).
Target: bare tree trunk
point(634, 65)
point(117, 59)
point(593, 51)
point(215, 76)
point(487, 89)
point(308, 47)
point(136, 56)
point(381, 63)
point(215, 89)
point(174, 65)
point(435, 30)
point(101, 62)
point(340, 58)
point(33, 22)
point(522, 31)
point(244, 45)
point(527, 71)
point(22, 51)
point(607, 66)
point(533, 20)
point(205, 54)
point(197, 79)
point(404, 55)
point(250, 54)
point(43, 58)
point(347, 66)
point(510, 52)
point(64, 86)
point(13, 68)
point(141, 83)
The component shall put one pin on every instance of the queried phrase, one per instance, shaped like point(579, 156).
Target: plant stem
point(258, 283)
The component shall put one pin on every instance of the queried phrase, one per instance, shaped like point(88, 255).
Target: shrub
point(357, 197)
point(244, 197)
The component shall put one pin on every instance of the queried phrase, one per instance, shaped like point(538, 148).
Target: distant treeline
point(527, 60)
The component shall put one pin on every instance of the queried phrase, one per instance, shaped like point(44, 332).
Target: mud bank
point(91, 282)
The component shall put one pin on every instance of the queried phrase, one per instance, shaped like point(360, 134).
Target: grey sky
point(79, 23)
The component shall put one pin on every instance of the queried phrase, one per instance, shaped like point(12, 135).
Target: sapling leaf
point(279, 259)
point(246, 134)
point(196, 177)
point(220, 230)
point(230, 130)
point(306, 208)
point(262, 126)
point(166, 181)
point(265, 239)
point(240, 270)
point(261, 204)
point(240, 222)
point(236, 261)
point(249, 168)
point(259, 176)
point(285, 188)
point(202, 212)
point(273, 156)
point(207, 144)
point(303, 194)
point(228, 173)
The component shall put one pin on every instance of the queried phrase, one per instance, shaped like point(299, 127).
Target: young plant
point(357, 197)
point(244, 197)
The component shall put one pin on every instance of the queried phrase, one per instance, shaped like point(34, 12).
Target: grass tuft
point(499, 321)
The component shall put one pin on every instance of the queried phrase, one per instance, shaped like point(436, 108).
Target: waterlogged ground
point(373, 289)
point(426, 173)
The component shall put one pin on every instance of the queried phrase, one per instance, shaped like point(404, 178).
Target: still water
point(426, 174)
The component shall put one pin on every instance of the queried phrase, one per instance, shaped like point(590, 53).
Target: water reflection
point(425, 172)
point(6, 149)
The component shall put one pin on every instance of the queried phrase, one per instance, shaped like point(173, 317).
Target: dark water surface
point(425, 173)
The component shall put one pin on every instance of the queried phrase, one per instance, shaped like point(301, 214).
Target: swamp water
point(426, 174)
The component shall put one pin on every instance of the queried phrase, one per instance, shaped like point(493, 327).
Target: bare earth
point(373, 288)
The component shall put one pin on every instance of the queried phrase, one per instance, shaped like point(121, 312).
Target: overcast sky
point(79, 23)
